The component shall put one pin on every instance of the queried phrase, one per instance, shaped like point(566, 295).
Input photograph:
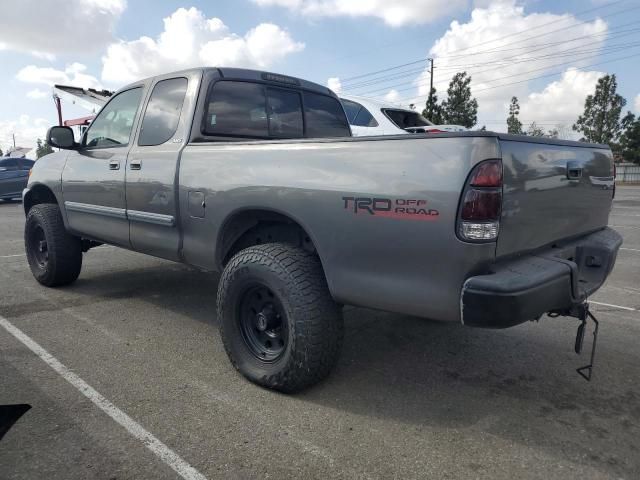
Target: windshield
point(406, 118)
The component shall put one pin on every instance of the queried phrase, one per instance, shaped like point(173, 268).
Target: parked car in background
point(14, 174)
point(373, 117)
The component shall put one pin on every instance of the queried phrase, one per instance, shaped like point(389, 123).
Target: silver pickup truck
point(255, 175)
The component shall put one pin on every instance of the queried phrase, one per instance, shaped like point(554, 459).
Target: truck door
point(152, 165)
point(93, 177)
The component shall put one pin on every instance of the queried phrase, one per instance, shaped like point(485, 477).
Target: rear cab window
point(245, 109)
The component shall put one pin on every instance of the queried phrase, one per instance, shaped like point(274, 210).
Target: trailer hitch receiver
point(582, 313)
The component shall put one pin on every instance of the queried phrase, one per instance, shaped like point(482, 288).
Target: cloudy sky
point(548, 53)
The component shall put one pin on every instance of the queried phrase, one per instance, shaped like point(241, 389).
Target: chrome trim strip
point(96, 209)
point(133, 215)
point(148, 217)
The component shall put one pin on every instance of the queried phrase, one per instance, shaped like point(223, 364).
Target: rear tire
point(55, 256)
point(279, 325)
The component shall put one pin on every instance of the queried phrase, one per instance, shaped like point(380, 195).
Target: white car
point(373, 117)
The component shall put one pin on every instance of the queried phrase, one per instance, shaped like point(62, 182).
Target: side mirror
point(61, 137)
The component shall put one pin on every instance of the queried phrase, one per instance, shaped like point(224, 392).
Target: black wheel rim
point(38, 246)
point(263, 323)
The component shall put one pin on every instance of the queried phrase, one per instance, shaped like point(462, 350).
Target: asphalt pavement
point(409, 399)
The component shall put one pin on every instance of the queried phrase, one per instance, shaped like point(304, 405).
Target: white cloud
point(190, 39)
point(562, 101)
point(36, 94)
point(334, 84)
point(72, 75)
point(492, 48)
point(636, 104)
point(26, 129)
point(392, 96)
point(46, 28)
point(394, 12)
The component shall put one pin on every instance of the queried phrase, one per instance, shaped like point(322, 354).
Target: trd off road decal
point(406, 208)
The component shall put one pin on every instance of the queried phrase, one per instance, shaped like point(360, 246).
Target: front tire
point(55, 256)
point(279, 325)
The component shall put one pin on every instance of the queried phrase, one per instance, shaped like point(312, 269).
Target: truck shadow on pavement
point(518, 384)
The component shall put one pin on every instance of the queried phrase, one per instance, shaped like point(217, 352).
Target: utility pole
point(14, 140)
point(431, 84)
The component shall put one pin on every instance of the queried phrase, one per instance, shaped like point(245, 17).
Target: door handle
point(114, 165)
point(135, 164)
point(574, 170)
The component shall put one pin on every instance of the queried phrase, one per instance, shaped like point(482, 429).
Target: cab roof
point(247, 74)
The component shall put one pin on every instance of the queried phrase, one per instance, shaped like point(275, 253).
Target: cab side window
point(162, 114)
point(113, 125)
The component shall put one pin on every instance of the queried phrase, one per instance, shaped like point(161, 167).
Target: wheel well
point(256, 227)
point(38, 194)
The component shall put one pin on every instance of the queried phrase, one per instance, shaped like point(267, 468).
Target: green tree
point(460, 107)
point(534, 130)
point(1, 152)
point(629, 145)
point(42, 149)
point(513, 124)
point(433, 111)
point(600, 122)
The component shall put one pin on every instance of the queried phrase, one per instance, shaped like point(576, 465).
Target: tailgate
point(552, 192)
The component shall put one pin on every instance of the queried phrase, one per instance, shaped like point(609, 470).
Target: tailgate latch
point(574, 170)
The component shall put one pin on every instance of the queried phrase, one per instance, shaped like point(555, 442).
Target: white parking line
point(614, 306)
point(626, 214)
point(168, 456)
point(630, 249)
point(623, 226)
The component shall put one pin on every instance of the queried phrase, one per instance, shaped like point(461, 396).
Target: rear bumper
point(553, 279)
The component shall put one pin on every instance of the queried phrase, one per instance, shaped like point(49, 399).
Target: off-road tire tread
point(318, 323)
point(65, 250)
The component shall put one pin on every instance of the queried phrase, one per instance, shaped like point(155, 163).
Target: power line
point(347, 79)
point(615, 34)
point(572, 52)
point(532, 78)
point(546, 25)
point(378, 47)
point(383, 70)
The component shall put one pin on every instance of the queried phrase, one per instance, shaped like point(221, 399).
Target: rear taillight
point(481, 205)
point(435, 130)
